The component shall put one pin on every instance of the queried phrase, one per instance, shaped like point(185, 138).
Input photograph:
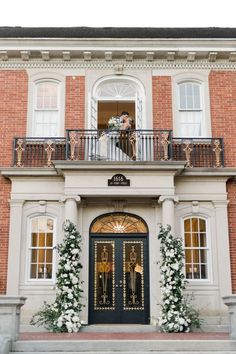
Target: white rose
point(67, 267)
point(74, 280)
point(75, 251)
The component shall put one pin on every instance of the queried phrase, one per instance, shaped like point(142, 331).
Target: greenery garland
point(176, 314)
point(63, 314)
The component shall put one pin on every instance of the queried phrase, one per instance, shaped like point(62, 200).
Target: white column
point(222, 237)
point(71, 211)
point(14, 247)
point(168, 211)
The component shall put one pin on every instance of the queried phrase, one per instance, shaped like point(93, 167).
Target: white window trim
point(201, 79)
point(33, 81)
point(208, 280)
point(28, 253)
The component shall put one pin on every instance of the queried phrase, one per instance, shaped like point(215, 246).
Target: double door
point(119, 282)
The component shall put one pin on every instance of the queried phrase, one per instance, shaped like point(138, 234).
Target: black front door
point(119, 284)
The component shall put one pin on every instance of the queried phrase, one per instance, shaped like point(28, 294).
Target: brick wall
point(222, 86)
point(13, 113)
point(75, 100)
point(162, 102)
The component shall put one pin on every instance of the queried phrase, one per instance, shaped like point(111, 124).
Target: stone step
point(119, 329)
point(125, 352)
point(124, 346)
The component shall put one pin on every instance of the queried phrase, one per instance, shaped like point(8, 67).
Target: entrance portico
point(156, 193)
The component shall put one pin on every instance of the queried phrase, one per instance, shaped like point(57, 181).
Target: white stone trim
point(135, 64)
point(202, 79)
point(40, 76)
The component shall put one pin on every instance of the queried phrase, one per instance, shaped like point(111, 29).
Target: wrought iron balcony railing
point(132, 145)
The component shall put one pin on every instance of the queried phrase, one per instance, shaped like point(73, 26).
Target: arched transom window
point(117, 90)
point(119, 223)
point(196, 248)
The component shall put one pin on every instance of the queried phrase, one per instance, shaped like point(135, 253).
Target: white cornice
point(104, 64)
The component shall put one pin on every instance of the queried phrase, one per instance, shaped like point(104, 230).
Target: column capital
point(172, 198)
point(16, 202)
point(220, 203)
point(76, 198)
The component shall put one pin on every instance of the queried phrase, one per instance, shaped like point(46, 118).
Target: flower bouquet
point(114, 123)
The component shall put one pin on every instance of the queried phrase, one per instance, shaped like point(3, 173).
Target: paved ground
point(123, 336)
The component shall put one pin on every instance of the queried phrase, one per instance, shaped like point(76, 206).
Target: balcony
point(119, 146)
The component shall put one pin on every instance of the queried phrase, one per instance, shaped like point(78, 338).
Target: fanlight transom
point(119, 223)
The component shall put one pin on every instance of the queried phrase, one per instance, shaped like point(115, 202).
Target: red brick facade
point(222, 86)
point(162, 102)
point(13, 114)
point(13, 117)
point(75, 100)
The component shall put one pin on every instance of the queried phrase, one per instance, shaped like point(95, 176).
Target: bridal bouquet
point(114, 123)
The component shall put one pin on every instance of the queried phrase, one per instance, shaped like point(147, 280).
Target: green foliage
point(63, 314)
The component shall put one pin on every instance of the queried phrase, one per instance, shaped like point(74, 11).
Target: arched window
point(42, 233)
point(46, 112)
point(190, 122)
point(196, 248)
point(119, 223)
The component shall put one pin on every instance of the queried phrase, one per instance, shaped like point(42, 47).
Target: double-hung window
point(196, 248)
point(46, 112)
point(42, 234)
point(190, 110)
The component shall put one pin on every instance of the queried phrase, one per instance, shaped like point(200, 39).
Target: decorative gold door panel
point(104, 275)
point(133, 276)
point(119, 285)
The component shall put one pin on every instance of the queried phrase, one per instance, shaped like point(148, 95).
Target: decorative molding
point(77, 198)
point(66, 55)
point(232, 56)
point(42, 206)
point(118, 69)
point(173, 198)
point(108, 56)
point(129, 56)
point(87, 55)
point(25, 55)
point(212, 56)
point(195, 207)
point(45, 55)
point(150, 56)
point(118, 205)
point(3, 55)
point(191, 56)
point(170, 56)
point(117, 65)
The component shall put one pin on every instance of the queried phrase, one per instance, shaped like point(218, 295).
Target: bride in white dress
point(108, 143)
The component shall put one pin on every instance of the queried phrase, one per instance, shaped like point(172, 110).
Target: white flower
point(75, 251)
point(67, 267)
point(70, 296)
point(74, 280)
point(181, 321)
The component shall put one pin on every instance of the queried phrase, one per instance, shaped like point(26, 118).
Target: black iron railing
point(123, 146)
point(37, 152)
point(202, 152)
point(130, 145)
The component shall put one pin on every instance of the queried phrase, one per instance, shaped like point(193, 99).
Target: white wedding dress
point(107, 148)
